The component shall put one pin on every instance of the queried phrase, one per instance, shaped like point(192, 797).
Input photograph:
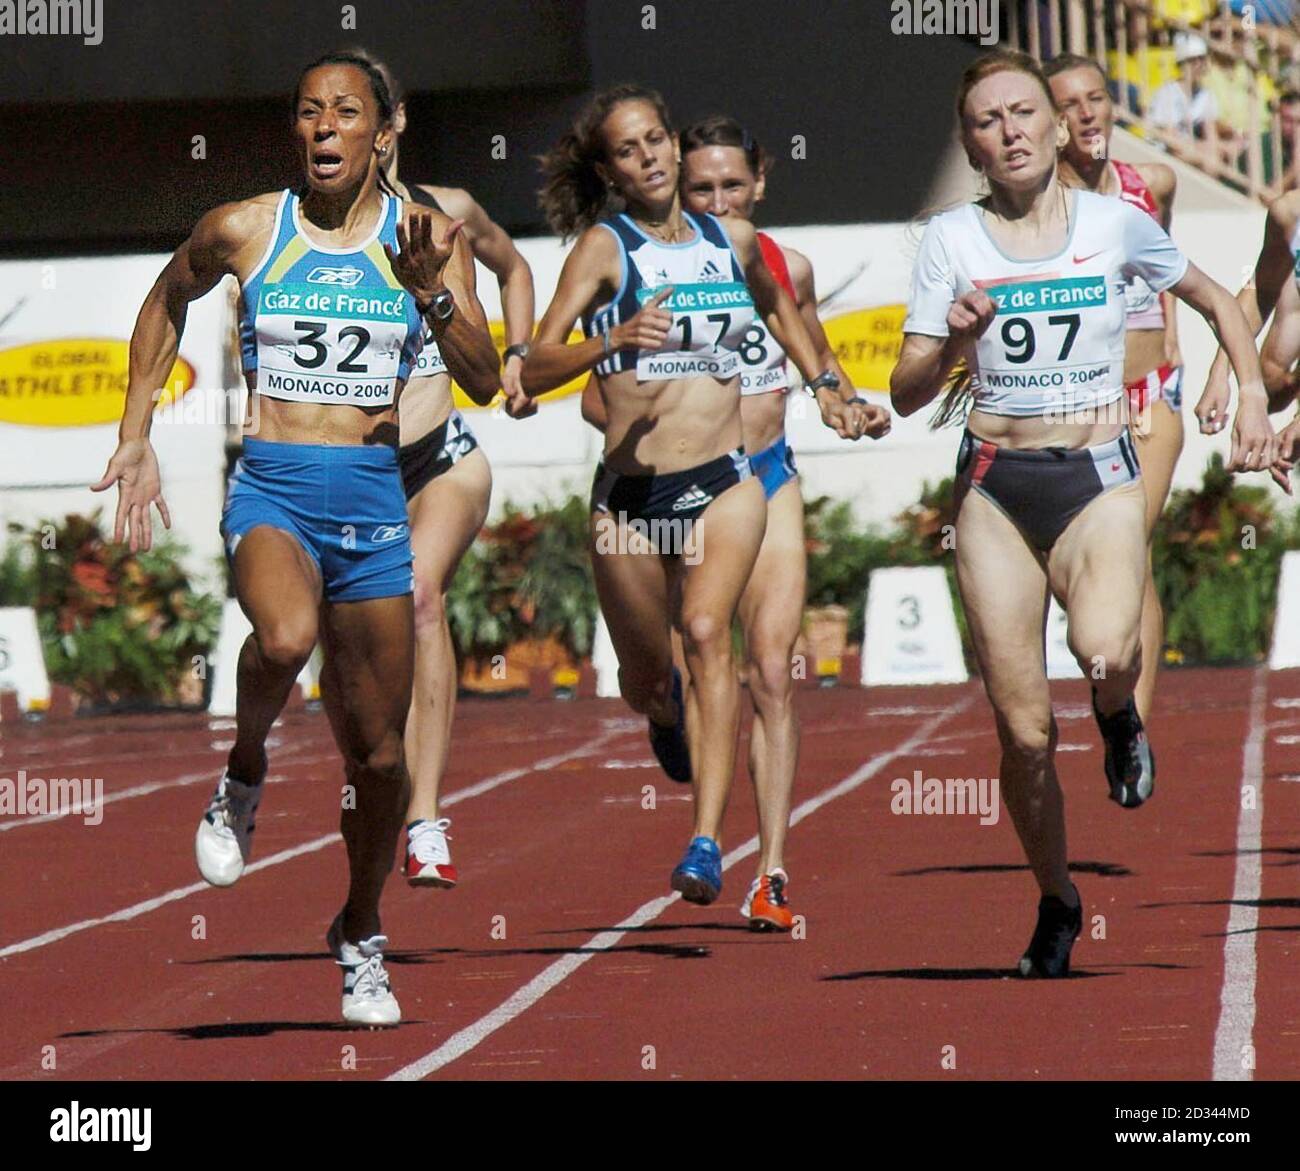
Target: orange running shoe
point(765, 906)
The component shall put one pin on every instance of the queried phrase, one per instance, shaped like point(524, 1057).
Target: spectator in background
point(1288, 111)
point(1266, 11)
point(1183, 107)
point(1183, 12)
point(1241, 114)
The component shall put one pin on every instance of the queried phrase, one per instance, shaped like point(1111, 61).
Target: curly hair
point(573, 196)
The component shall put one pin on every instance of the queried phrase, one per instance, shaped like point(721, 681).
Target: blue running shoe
point(669, 740)
point(699, 874)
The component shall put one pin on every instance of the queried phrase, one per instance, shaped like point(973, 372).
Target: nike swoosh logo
point(1084, 259)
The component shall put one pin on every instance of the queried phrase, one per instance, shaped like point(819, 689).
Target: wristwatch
point(518, 350)
point(826, 380)
point(442, 306)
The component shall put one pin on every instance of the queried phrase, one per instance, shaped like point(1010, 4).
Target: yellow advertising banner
point(74, 382)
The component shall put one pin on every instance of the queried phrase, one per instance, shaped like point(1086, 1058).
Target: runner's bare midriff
point(1144, 351)
point(331, 424)
point(660, 427)
point(426, 405)
point(1036, 431)
point(763, 419)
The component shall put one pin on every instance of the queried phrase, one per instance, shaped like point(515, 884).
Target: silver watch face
point(444, 304)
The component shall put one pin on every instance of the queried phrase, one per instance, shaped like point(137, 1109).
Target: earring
point(383, 150)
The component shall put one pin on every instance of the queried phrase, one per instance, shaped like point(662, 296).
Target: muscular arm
point(1223, 315)
point(1282, 349)
point(1254, 444)
point(464, 340)
point(1260, 294)
point(1163, 182)
point(590, 268)
point(801, 276)
point(922, 369)
point(194, 269)
point(773, 303)
point(490, 244)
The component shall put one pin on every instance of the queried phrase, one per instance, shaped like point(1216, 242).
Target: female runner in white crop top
point(1049, 491)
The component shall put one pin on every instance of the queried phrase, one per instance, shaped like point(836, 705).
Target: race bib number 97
point(1052, 335)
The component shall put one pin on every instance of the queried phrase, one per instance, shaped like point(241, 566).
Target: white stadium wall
point(64, 325)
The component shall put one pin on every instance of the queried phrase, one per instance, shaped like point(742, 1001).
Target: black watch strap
point(827, 379)
point(442, 306)
point(518, 350)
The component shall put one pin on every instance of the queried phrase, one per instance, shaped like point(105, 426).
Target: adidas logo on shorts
point(692, 498)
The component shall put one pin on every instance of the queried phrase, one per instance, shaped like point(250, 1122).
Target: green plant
point(17, 577)
point(557, 584)
point(841, 556)
point(1215, 559)
point(480, 607)
point(116, 627)
point(527, 576)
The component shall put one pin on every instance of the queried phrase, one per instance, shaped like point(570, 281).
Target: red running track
point(562, 956)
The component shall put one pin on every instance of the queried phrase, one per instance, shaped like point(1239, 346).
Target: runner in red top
point(1153, 366)
point(724, 173)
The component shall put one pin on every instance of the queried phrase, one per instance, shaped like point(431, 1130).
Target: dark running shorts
point(1043, 491)
point(426, 459)
point(673, 495)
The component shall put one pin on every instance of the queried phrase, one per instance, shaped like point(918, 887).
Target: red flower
point(93, 578)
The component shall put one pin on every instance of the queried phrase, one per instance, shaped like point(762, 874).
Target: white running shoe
point(224, 842)
point(367, 998)
point(428, 858)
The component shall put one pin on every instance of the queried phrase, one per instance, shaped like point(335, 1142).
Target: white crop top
point(1057, 341)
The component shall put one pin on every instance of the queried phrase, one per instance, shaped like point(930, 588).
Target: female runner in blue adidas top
point(337, 281)
point(665, 300)
point(1026, 287)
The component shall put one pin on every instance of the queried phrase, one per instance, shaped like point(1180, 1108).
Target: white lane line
point(208, 775)
point(143, 908)
point(181, 892)
point(1233, 1038)
point(458, 1044)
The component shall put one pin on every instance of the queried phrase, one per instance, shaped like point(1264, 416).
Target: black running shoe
point(1130, 762)
point(669, 740)
point(1048, 955)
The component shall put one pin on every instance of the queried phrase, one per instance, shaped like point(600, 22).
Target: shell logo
point(74, 382)
point(498, 332)
point(867, 343)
